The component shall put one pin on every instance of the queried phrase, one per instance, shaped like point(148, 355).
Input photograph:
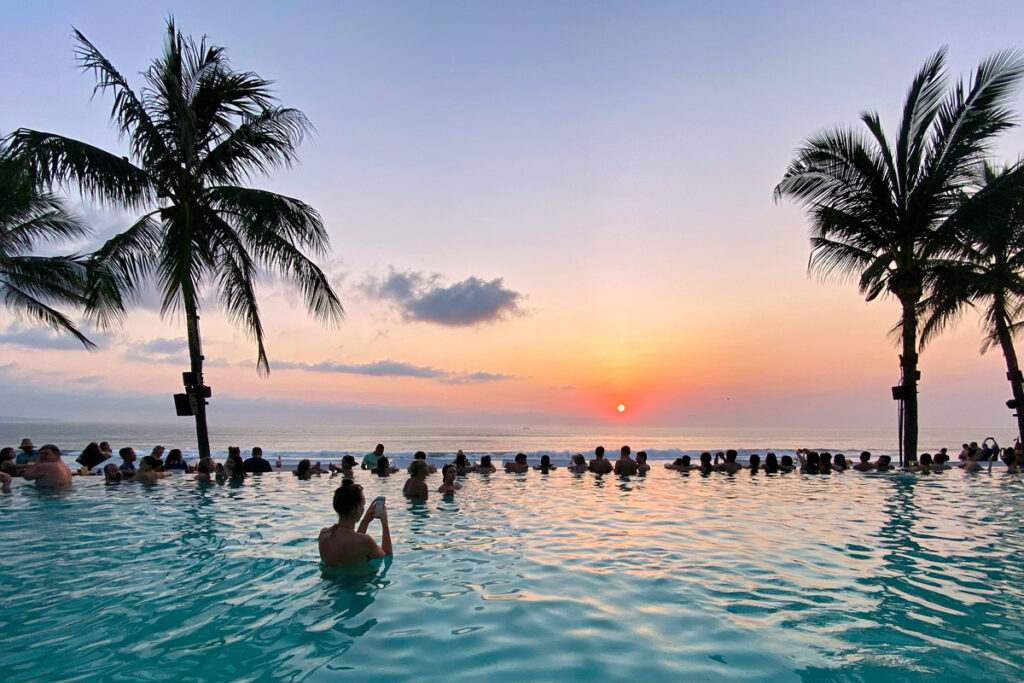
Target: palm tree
point(883, 212)
point(197, 130)
point(987, 269)
point(30, 285)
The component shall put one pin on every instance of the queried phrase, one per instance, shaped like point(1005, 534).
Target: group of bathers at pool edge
point(347, 541)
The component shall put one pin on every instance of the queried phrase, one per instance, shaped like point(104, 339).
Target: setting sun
point(621, 408)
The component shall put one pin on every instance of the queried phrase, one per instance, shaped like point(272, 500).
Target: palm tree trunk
point(1012, 371)
point(909, 363)
point(195, 353)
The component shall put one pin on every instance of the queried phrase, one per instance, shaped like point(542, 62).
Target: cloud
point(474, 377)
point(422, 298)
point(392, 368)
point(164, 346)
point(380, 368)
point(46, 338)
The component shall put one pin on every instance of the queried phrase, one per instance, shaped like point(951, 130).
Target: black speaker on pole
point(183, 405)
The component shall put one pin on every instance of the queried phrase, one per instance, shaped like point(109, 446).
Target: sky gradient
point(537, 211)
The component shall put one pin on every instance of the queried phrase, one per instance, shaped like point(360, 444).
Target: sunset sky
point(537, 211)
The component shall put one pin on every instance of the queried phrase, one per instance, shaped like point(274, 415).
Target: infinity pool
point(522, 578)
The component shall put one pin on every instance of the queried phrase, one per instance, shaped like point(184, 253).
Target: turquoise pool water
point(672, 577)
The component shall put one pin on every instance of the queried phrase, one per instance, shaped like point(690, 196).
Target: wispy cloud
point(392, 368)
point(45, 338)
point(423, 298)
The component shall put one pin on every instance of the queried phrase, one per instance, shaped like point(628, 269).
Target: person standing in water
point(343, 543)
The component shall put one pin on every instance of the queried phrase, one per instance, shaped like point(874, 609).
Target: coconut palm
point(31, 285)
point(883, 211)
point(197, 131)
point(986, 270)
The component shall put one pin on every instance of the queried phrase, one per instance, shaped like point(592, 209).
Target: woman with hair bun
point(344, 544)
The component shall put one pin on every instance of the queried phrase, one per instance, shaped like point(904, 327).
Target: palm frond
point(23, 303)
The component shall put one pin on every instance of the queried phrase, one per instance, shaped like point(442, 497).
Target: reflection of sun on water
point(621, 408)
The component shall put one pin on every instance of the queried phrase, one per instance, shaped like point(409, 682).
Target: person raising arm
point(343, 543)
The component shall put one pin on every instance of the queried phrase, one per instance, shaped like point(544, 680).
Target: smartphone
point(378, 506)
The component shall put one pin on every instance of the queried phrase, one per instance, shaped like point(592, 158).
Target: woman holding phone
point(343, 543)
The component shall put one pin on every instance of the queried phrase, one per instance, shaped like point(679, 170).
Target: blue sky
point(611, 165)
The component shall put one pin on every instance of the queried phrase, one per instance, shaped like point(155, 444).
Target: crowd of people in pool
point(347, 542)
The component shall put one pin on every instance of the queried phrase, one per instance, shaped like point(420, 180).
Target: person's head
point(448, 473)
point(884, 460)
point(420, 455)
point(786, 461)
point(599, 452)
point(705, 459)
point(257, 452)
point(545, 460)
point(379, 450)
point(27, 445)
point(521, 458)
point(157, 452)
point(460, 459)
point(349, 501)
point(641, 457)
point(813, 459)
point(926, 459)
point(302, 469)
point(49, 453)
point(1009, 456)
point(418, 469)
point(105, 447)
point(174, 455)
point(839, 460)
point(112, 473)
point(234, 450)
point(348, 462)
point(755, 462)
point(730, 455)
point(826, 460)
point(147, 464)
point(485, 461)
point(685, 461)
point(237, 466)
point(865, 457)
point(771, 460)
point(578, 459)
point(7, 453)
point(941, 458)
point(624, 452)
point(127, 454)
point(383, 466)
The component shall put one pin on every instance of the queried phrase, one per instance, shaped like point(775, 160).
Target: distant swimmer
point(641, 463)
point(49, 471)
point(599, 465)
point(545, 465)
point(422, 457)
point(729, 466)
point(519, 465)
point(463, 465)
point(370, 459)
point(485, 466)
point(625, 466)
point(755, 463)
point(864, 464)
point(579, 464)
point(449, 485)
point(679, 464)
point(344, 544)
point(149, 471)
point(416, 487)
